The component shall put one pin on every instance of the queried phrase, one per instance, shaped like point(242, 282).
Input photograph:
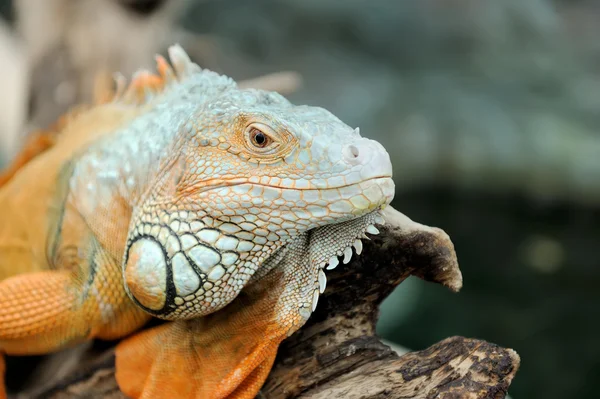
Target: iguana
point(191, 200)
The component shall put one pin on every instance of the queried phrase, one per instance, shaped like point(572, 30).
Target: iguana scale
point(189, 199)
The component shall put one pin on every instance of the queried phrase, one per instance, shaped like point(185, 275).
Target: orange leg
point(35, 315)
point(42, 312)
point(38, 313)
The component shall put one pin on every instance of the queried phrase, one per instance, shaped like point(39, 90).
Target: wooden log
point(337, 354)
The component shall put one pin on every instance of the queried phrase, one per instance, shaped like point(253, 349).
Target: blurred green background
point(491, 112)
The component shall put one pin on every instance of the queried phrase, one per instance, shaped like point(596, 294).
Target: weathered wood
point(337, 354)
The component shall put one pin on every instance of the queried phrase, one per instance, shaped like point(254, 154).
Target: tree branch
point(337, 354)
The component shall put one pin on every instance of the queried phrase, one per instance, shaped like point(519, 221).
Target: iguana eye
point(260, 136)
point(259, 139)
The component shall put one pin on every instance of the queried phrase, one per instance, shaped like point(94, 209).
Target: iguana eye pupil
point(259, 139)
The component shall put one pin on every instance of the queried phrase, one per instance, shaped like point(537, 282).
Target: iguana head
point(250, 172)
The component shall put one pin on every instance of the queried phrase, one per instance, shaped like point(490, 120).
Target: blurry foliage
point(490, 110)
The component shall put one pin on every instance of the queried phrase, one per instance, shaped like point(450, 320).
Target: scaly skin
point(181, 196)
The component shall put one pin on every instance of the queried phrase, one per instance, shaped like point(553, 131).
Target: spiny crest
point(146, 87)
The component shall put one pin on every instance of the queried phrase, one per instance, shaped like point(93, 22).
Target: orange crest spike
point(164, 69)
point(146, 85)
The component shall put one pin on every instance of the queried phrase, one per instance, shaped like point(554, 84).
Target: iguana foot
point(224, 355)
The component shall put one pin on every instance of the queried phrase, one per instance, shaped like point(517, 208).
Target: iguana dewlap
point(187, 199)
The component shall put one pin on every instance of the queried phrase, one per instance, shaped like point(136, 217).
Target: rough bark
point(337, 354)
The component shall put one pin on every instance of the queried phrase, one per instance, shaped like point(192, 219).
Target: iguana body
point(181, 196)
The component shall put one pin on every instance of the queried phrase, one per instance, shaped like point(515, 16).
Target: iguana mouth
point(317, 188)
point(255, 181)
